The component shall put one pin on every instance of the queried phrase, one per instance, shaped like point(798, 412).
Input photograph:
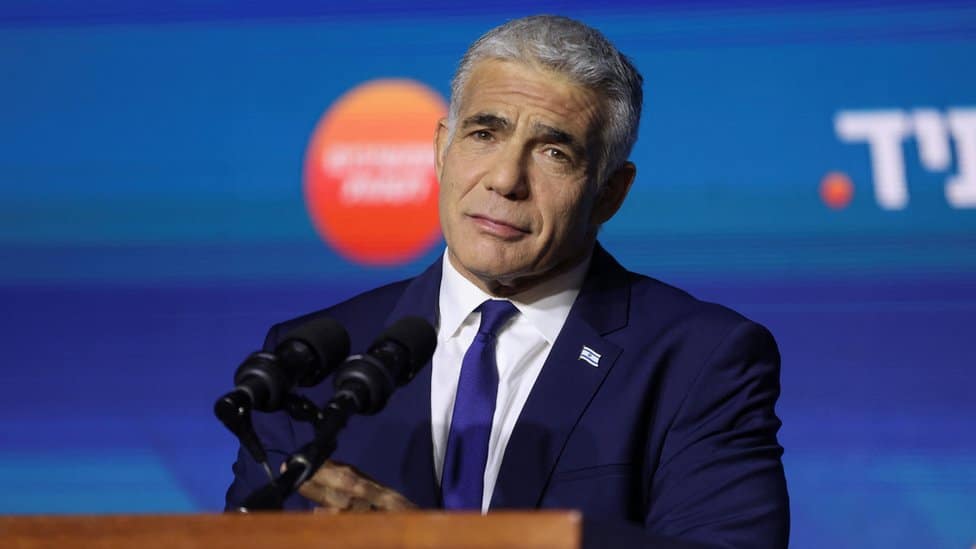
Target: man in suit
point(605, 390)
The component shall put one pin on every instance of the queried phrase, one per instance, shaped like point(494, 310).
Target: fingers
point(325, 496)
point(338, 487)
point(392, 501)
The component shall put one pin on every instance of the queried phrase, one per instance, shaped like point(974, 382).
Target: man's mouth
point(498, 227)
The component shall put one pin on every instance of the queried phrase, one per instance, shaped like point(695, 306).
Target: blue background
point(152, 227)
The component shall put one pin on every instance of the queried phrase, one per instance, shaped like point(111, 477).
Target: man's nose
point(508, 173)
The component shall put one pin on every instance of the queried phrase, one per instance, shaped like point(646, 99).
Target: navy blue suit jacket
point(674, 430)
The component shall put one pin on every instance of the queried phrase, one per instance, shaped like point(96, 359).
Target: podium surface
point(538, 529)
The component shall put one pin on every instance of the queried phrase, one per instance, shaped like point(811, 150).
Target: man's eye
point(556, 154)
point(482, 135)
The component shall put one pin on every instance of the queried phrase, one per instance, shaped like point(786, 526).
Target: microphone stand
point(303, 463)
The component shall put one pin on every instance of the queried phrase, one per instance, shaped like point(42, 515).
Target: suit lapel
point(412, 401)
point(565, 386)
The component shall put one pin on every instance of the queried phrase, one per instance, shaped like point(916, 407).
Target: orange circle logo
point(370, 184)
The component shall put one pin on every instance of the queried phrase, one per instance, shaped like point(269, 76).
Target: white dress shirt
point(521, 348)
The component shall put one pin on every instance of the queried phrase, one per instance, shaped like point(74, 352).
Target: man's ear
point(441, 139)
point(613, 193)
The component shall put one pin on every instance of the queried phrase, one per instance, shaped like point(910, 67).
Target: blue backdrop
point(152, 226)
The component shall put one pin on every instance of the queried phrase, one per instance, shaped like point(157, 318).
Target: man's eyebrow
point(555, 135)
point(487, 120)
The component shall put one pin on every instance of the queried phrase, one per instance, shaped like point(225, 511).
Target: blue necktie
point(463, 480)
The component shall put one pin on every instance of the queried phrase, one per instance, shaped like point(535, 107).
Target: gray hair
point(582, 54)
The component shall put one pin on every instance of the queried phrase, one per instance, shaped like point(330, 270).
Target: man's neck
point(534, 285)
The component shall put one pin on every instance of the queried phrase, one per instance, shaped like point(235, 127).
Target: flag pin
point(590, 356)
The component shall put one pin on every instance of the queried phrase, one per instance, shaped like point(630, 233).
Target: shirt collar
point(546, 305)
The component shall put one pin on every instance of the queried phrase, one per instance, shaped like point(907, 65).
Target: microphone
point(363, 384)
point(391, 361)
point(306, 356)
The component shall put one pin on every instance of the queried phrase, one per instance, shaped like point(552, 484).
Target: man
point(607, 391)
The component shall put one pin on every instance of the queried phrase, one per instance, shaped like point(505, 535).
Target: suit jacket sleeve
point(720, 480)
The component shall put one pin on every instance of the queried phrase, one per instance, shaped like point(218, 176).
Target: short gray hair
point(579, 52)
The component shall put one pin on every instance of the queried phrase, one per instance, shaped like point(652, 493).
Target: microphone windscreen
point(327, 337)
point(417, 336)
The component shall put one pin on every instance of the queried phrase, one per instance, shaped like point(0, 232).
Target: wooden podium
point(516, 530)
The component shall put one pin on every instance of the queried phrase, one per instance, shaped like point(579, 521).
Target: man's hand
point(337, 487)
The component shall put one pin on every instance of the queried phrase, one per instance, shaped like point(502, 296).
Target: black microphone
point(392, 360)
point(363, 384)
point(306, 356)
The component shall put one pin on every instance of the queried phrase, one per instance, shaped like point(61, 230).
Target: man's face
point(518, 202)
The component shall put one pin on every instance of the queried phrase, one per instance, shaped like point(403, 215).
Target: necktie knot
point(494, 314)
